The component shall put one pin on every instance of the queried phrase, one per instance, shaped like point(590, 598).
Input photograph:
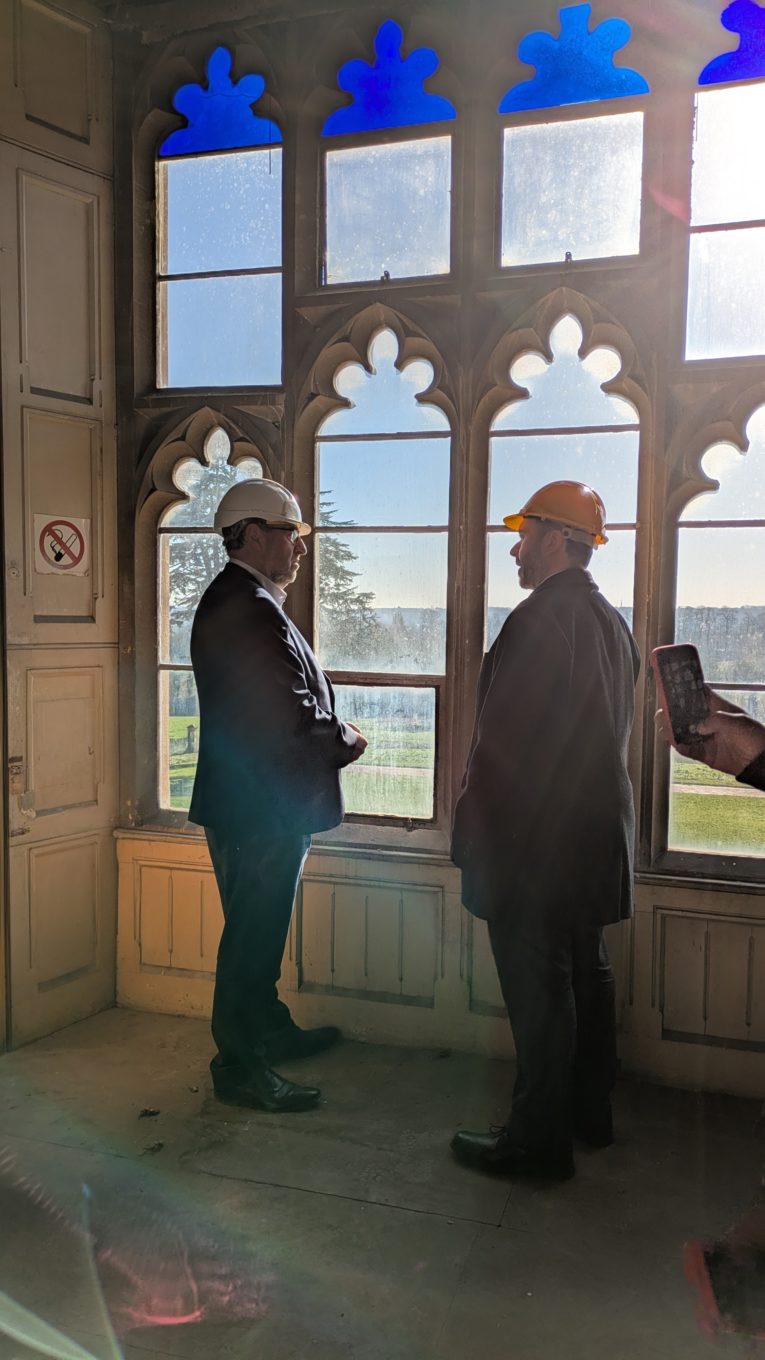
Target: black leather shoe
point(293, 1042)
point(262, 1089)
point(497, 1154)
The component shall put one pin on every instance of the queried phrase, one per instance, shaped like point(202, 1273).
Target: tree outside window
point(381, 565)
point(190, 555)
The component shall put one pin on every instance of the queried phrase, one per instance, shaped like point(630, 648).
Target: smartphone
point(680, 685)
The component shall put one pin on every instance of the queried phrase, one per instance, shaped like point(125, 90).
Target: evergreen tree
point(349, 631)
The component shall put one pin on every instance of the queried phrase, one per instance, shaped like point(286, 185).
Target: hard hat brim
point(515, 522)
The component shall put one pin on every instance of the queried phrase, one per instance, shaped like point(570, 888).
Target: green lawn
point(698, 821)
point(397, 795)
point(717, 822)
point(691, 772)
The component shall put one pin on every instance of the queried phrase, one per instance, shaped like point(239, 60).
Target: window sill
point(702, 878)
point(349, 839)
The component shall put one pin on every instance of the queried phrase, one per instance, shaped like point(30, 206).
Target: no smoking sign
point(62, 545)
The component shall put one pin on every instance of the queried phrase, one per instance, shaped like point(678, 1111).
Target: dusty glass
point(573, 186)
point(395, 776)
point(388, 210)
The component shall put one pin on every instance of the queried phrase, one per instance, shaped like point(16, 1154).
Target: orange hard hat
point(573, 504)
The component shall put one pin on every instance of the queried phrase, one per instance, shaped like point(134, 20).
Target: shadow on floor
point(348, 1232)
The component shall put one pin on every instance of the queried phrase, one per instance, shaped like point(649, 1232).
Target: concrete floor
point(347, 1233)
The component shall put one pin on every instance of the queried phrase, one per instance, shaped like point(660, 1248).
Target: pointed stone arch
point(699, 430)
point(531, 334)
point(187, 440)
point(349, 344)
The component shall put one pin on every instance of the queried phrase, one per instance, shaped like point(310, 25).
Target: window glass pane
point(608, 462)
point(395, 776)
point(188, 563)
point(222, 212)
point(612, 567)
point(385, 482)
point(726, 294)
point(382, 602)
point(385, 400)
point(710, 811)
point(741, 477)
point(572, 186)
point(388, 209)
point(742, 485)
point(206, 486)
point(728, 167)
point(179, 738)
point(222, 332)
point(721, 601)
point(568, 392)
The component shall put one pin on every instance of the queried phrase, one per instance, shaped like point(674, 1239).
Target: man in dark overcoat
point(270, 753)
point(543, 833)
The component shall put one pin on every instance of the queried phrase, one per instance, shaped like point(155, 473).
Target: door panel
point(55, 80)
point(62, 932)
point(59, 493)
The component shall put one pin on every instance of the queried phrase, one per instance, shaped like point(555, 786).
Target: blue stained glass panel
point(221, 212)
point(576, 67)
point(747, 62)
point(223, 332)
point(219, 116)
point(389, 92)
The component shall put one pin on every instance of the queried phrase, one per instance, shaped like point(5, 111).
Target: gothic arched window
point(190, 555)
point(382, 530)
point(572, 187)
point(388, 185)
point(726, 272)
point(568, 429)
point(219, 237)
point(720, 607)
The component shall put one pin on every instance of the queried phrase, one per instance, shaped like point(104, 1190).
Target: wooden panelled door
point(56, 332)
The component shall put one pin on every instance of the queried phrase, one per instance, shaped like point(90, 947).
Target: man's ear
point(252, 535)
point(553, 541)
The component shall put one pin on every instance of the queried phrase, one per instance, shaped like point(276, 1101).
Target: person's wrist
point(754, 771)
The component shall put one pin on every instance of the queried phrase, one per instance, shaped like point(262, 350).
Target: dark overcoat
point(545, 818)
point(271, 745)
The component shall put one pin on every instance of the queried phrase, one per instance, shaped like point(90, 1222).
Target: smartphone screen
point(680, 683)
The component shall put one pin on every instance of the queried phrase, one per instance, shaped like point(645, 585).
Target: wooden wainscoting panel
point(485, 994)
point(154, 914)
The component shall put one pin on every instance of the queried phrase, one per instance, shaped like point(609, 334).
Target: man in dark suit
point(270, 754)
point(543, 833)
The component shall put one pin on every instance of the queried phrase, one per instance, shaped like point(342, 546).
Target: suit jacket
point(545, 819)
point(271, 745)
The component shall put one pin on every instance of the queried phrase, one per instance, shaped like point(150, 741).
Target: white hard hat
point(260, 499)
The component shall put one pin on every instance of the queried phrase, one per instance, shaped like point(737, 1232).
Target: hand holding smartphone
point(681, 689)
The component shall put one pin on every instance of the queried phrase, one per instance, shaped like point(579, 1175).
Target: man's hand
point(361, 741)
point(728, 740)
